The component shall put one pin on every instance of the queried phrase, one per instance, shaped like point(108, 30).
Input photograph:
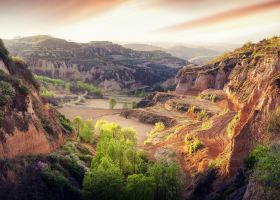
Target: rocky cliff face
point(250, 78)
point(27, 124)
point(105, 64)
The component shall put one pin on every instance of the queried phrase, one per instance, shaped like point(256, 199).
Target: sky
point(142, 21)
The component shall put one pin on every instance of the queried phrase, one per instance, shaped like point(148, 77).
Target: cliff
point(249, 76)
point(104, 64)
point(27, 124)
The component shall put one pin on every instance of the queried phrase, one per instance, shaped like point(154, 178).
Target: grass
point(231, 126)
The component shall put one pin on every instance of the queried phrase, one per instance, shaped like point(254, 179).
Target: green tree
point(112, 103)
point(105, 182)
point(169, 180)
point(140, 187)
point(77, 125)
point(86, 134)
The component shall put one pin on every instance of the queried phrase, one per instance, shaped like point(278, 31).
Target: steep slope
point(104, 64)
point(249, 76)
point(27, 124)
point(219, 113)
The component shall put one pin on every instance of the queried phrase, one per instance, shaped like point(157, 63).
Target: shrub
point(274, 121)
point(206, 125)
point(23, 90)
point(203, 115)
point(193, 144)
point(7, 93)
point(213, 98)
point(159, 126)
point(112, 103)
point(65, 123)
point(255, 155)
point(231, 126)
point(46, 93)
point(192, 109)
point(267, 167)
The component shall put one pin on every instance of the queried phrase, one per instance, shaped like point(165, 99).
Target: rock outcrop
point(27, 124)
point(104, 64)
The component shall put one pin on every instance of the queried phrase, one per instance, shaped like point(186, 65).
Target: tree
point(140, 187)
point(169, 179)
point(86, 134)
point(77, 124)
point(104, 182)
point(112, 103)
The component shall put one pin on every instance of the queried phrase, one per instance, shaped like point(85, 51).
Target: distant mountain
point(104, 64)
point(190, 53)
point(198, 55)
point(143, 47)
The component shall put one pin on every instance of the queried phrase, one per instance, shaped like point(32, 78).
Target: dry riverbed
point(98, 109)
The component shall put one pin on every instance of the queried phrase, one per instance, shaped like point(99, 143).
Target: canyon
point(219, 112)
point(104, 64)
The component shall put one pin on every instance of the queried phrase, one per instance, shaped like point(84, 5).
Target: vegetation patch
point(193, 144)
point(207, 124)
point(159, 127)
point(84, 129)
point(121, 171)
point(231, 126)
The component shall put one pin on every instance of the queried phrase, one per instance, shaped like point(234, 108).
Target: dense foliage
point(84, 129)
point(120, 171)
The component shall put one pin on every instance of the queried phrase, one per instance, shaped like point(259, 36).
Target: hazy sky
point(188, 21)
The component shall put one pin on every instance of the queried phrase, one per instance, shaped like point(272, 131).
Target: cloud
point(57, 10)
point(224, 16)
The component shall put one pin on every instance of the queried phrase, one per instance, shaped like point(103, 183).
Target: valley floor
point(98, 109)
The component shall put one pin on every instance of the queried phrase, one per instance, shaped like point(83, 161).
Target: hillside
point(27, 124)
point(221, 112)
point(194, 55)
point(104, 64)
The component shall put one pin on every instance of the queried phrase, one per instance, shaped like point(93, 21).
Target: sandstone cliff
point(104, 64)
point(27, 124)
point(250, 78)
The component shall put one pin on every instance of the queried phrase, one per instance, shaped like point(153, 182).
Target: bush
point(159, 126)
point(65, 123)
point(192, 109)
point(46, 93)
point(203, 115)
point(267, 167)
point(7, 93)
point(206, 125)
point(112, 103)
point(193, 144)
point(254, 156)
